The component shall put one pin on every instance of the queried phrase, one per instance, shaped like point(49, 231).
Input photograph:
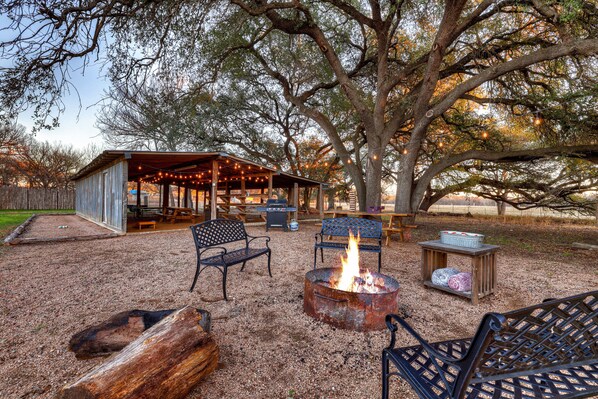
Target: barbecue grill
point(276, 213)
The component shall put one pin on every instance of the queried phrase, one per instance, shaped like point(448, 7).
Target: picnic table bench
point(173, 214)
point(212, 234)
point(340, 227)
point(548, 350)
point(395, 224)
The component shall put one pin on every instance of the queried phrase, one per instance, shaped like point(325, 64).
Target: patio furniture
point(148, 223)
point(395, 225)
point(548, 350)
point(340, 227)
point(210, 235)
point(483, 267)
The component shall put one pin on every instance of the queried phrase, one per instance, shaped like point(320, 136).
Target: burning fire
point(351, 278)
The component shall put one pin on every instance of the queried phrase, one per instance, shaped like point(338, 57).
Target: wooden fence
point(36, 198)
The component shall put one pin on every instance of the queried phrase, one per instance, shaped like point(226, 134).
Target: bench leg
point(224, 282)
point(315, 257)
point(269, 271)
point(243, 267)
point(322, 254)
point(197, 271)
point(385, 376)
point(379, 260)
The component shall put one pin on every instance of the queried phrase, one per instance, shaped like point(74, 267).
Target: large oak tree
point(403, 68)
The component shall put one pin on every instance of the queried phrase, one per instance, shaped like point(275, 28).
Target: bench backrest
point(218, 232)
point(552, 335)
point(366, 228)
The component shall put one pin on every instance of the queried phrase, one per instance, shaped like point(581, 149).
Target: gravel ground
point(269, 347)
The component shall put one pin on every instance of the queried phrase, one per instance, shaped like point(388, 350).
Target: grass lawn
point(9, 219)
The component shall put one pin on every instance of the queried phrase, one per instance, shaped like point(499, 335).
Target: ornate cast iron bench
point(548, 350)
point(210, 235)
point(340, 227)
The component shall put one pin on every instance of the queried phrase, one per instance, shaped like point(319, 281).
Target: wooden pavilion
point(223, 180)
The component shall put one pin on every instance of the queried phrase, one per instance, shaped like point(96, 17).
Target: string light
point(485, 135)
point(537, 120)
point(405, 151)
point(375, 157)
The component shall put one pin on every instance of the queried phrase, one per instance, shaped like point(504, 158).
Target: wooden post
point(138, 193)
point(214, 192)
point(296, 199)
point(159, 194)
point(270, 184)
point(196, 200)
point(165, 196)
point(178, 196)
point(320, 205)
point(243, 191)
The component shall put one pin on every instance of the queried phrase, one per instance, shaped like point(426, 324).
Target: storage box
point(461, 239)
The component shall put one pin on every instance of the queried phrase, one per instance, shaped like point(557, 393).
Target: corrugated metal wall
point(105, 188)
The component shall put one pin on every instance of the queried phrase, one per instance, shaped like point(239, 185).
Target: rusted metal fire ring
point(348, 310)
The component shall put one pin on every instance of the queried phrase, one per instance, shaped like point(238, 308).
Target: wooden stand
point(483, 267)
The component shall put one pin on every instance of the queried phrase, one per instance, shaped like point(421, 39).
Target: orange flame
point(351, 279)
point(350, 264)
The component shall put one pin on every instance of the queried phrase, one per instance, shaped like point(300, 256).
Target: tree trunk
point(403, 198)
point(373, 183)
point(331, 192)
point(501, 207)
point(165, 362)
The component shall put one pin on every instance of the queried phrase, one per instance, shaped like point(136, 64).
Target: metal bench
point(340, 227)
point(548, 350)
point(210, 235)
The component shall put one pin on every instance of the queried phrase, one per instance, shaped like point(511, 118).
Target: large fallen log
point(120, 330)
point(165, 362)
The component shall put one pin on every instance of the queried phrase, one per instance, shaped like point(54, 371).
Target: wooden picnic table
point(396, 223)
point(172, 214)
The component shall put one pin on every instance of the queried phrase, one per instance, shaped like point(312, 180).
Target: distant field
point(9, 219)
point(510, 211)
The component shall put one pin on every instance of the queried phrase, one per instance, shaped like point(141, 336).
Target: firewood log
point(165, 362)
point(118, 331)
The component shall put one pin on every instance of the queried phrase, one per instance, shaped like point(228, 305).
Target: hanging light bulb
point(485, 135)
point(538, 120)
point(405, 151)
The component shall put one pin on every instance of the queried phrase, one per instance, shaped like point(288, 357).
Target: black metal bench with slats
point(210, 235)
point(548, 350)
point(341, 227)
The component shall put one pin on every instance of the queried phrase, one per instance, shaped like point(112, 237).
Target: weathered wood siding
point(36, 198)
point(89, 198)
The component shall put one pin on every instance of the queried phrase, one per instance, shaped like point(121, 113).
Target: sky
point(77, 123)
point(78, 120)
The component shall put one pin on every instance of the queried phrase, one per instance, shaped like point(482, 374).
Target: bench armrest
point(222, 250)
point(321, 237)
point(431, 351)
point(251, 238)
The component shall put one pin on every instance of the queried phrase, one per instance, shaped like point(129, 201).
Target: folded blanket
point(460, 282)
point(441, 276)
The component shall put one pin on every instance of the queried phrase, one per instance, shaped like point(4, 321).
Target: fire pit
point(350, 297)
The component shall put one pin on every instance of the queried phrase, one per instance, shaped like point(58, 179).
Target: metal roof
point(144, 164)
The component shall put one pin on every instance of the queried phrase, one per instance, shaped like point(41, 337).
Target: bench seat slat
point(234, 257)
